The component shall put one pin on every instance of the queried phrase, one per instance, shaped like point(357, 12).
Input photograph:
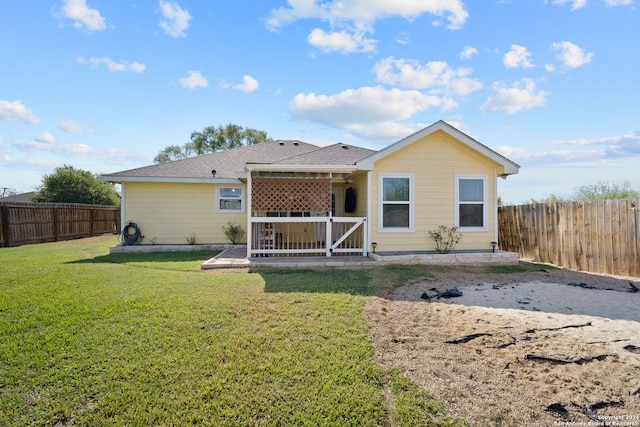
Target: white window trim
point(242, 199)
point(485, 207)
point(412, 196)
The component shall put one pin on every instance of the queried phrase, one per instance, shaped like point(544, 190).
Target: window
point(230, 199)
point(471, 202)
point(396, 202)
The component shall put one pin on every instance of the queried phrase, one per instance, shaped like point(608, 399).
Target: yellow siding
point(359, 185)
point(434, 161)
point(167, 213)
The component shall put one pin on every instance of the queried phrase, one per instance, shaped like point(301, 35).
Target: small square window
point(230, 199)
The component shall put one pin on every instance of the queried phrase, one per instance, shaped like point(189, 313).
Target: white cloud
point(194, 80)
point(579, 4)
point(403, 38)
point(522, 95)
point(70, 126)
point(619, 154)
point(83, 16)
point(532, 156)
point(437, 76)
point(468, 52)
point(176, 20)
point(618, 2)
point(249, 84)
point(30, 162)
point(571, 55)
point(366, 12)
point(350, 21)
point(44, 145)
point(517, 57)
point(627, 145)
point(358, 109)
point(112, 65)
point(340, 41)
point(386, 131)
point(575, 4)
point(17, 111)
point(46, 138)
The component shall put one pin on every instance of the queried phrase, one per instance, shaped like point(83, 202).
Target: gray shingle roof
point(24, 197)
point(226, 163)
point(292, 153)
point(336, 154)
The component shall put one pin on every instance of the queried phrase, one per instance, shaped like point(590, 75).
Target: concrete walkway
point(229, 258)
point(237, 258)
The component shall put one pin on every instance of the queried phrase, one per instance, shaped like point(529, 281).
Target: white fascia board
point(121, 179)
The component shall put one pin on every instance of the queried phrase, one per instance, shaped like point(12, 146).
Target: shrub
point(446, 238)
point(234, 232)
point(191, 239)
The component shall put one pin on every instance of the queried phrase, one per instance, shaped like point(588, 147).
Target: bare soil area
point(540, 348)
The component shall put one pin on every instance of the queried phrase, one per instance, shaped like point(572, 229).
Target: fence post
point(91, 219)
point(6, 229)
point(56, 222)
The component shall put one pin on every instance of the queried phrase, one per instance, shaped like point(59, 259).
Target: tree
point(212, 139)
point(551, 199)
point(7, 192)
point(70, 185)
point(173, 152)
point(604, 190)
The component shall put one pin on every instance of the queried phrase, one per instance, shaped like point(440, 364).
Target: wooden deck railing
point(324, 236)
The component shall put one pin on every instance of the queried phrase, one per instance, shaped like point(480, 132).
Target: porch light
point(374, 245)
point(493, 246)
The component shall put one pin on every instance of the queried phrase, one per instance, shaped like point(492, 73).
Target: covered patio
point(294, 213)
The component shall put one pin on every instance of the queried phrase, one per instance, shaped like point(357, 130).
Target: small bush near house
point(191, 238)
point(446, 238)
point(234, 233)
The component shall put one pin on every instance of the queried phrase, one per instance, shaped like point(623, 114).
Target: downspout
point(122, 199)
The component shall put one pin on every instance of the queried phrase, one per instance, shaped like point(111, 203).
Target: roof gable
point(508, 166)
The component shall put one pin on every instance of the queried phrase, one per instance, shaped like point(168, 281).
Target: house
point(294, 198)
point(20, 198)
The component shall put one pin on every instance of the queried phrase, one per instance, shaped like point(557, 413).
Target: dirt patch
point(538, 348)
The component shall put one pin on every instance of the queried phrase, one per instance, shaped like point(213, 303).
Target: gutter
point(121, 179)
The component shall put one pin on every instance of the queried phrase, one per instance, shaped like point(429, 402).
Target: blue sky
point(105, 85)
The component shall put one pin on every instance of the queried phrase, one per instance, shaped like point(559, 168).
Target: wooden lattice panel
point(275, 194)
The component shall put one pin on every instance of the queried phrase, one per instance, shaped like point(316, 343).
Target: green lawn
point(88, 338)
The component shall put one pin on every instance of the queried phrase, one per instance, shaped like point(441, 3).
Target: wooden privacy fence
point(599, 237)
point(23, 223)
